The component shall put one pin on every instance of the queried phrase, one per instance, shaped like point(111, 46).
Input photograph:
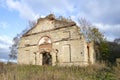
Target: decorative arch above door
point(45, 44)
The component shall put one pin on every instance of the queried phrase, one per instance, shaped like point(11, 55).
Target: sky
point(15, 15)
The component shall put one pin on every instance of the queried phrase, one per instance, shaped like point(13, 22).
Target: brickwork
point(65, 43)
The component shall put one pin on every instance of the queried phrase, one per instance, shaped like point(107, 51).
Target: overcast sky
point(15, 14)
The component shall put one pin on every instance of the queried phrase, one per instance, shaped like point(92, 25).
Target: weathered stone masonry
point(55, 42)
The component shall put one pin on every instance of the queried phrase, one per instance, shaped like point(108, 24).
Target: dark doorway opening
point(46, 58)
point(88, 51)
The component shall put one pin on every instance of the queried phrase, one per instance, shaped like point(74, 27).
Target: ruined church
point(54, 41)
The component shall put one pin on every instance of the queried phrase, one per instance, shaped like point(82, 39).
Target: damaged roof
point(59, 23)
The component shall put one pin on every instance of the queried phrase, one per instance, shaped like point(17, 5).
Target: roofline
point(69, 25)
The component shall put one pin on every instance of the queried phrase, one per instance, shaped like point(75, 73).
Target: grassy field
point(31, 72)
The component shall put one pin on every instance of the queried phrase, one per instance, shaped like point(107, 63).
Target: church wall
point(28, 55)
point(71, 46)
point(86, 58)
point(92, 53)
point(44, 24)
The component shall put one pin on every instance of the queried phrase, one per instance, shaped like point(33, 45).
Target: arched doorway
point(45, 48)
point(46, 58)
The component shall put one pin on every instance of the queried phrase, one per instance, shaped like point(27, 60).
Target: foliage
point(31, 24)
point(32, 72)
point(104, 50)
point(114, 51)
point(105, 74)
point(90, 32)
point(14, 47)
point(96, 35)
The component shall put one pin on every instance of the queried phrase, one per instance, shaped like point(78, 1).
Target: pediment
point(42, 25)
point(49, 23)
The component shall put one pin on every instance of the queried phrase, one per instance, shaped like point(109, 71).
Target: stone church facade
point(55, 42)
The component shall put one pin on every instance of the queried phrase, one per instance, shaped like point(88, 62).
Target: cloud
point(110, 31)
point(4, 54)
point(105, 11)
point(5, 43)
point(24, 10)
point(61, 6)
point(101, 12)
point(5, 40)
point(5, 61)
point(2, 3)
point(30, 9)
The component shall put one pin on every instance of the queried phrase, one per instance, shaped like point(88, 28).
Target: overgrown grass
point(31, 72)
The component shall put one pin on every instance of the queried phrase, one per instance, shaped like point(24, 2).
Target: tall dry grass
point(32, 72)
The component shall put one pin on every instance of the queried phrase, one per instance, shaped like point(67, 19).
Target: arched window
point(45, 40)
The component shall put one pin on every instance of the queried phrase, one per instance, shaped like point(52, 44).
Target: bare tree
point(16, 39)
point(90, 32)
point(31, 23)
point(13, 48)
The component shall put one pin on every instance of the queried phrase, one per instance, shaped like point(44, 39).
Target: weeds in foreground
point(31, 72)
